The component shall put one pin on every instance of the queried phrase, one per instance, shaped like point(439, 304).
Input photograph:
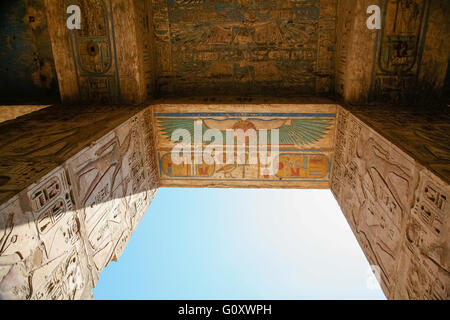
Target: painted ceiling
point(306, 144)
point(283, 47)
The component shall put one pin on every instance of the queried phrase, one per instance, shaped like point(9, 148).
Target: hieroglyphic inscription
point(57, 235)
point(239, 46)
point(397, 209)
point(399, 48)
point(94, 52)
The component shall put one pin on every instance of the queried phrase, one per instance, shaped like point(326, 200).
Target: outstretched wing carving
point(292, 132)
point(201, 34)
point(188, 3)
point(169, 125)
point(294, 32)
point(304, 131)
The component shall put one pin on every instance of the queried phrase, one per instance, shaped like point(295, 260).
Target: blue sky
point(240, 244)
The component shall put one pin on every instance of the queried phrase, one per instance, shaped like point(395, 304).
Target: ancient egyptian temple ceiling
point(187, 48)
point(245, 47)
point(77, 177)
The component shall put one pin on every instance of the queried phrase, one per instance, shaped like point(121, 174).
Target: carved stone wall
point(397, 208)
point(59, 232)
point(420, 132)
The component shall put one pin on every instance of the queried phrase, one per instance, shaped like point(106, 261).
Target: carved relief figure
point(108, 156)
point(397, 209)
point(245, 45)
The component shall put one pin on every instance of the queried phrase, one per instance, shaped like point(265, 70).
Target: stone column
point(110, 60)
point(390, 176)
point(74, 184)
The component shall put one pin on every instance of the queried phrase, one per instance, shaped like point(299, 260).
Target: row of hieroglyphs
point(109, 59)
point(397, 209)
point(58, 234)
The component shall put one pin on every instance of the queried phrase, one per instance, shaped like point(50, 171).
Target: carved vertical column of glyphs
point(397, 209)
point(326, 45)
point(58, 234)
point(145, 38)
point(162, 36)
point(410, 51)
point(355, 50)
point(110, 60)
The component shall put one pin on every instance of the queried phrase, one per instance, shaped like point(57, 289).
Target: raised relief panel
point(56, 272)
point(145, 125)
point(121, 244)
point(133, 161)
point(139, 168)
point(397, 209)
point(69, 280)
point(38, 241)
point(18, 240)
point(104, 225)
point(58, 234)
point(385, 180)
point(279, 47)
point(113, 188)
point(138, 204)
point(94, 52)
point(425, 251)
point(374, 184)
point(400, 47)
point(338, 168)
point(56, 221)
point(96, 170)
point(96, 173)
